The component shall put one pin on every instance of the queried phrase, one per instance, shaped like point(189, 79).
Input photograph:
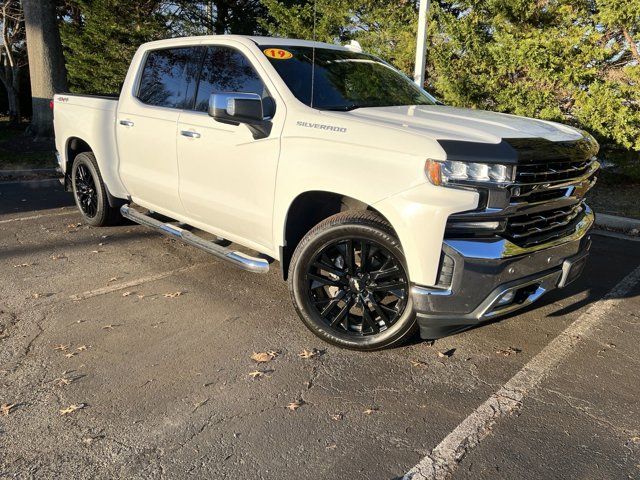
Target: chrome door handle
point(190, 134)
point(127, 123)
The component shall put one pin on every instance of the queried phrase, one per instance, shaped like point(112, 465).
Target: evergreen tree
point(574, 61)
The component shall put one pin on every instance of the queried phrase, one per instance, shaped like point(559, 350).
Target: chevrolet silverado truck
point(388, 211)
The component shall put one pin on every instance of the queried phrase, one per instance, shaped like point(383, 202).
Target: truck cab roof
point(260, 41)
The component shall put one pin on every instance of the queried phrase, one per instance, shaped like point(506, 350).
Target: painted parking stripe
point(445, 458)
point(133, 283)
point(36, 217)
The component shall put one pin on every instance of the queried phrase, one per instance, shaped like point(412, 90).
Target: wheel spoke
point(335, 301)
point(378, 310)
point(324, 282)
point(350, 259)
point(364, 255)
point(343, 314)
point(366, 318)
point(383, 274)
point(328, 268)
point(387, 287)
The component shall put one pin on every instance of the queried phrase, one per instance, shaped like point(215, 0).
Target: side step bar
point(245, 262)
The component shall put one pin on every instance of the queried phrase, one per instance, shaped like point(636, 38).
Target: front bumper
point(493, 277)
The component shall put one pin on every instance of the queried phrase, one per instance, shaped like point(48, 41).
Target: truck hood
point(448, 123)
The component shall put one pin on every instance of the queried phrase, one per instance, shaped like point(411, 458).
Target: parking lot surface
point(124, 354)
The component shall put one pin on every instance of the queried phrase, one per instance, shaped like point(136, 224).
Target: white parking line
point(444, 459)
point(35, 217)
point(132, 283)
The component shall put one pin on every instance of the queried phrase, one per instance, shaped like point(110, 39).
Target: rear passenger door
point(146, 127)
point(227, 178)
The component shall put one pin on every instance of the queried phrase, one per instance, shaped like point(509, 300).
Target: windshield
point(343, 80)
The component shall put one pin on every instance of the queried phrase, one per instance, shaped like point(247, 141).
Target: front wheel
point(349, 284)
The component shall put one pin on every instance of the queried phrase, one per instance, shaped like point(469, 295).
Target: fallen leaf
point(61, 347)
point(82, 348)
point(95, 251)
point(70, 354)
point(293, 406)
point(63, 382)
point(306, 354)
point(6, 408)
point(114, 279)
point(337, 417)
point(447, 354)
point(418, 363)
point(108, 327)
point(509, 351)
point(256, 374)
point(370, 411)
point(264, 357)
point(72, 408)
point(173, 295)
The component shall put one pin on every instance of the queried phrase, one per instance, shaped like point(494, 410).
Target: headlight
point(454, 172)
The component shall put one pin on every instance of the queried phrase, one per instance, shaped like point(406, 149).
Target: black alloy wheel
point(90, 193)
point(349, 282)
point(357, 286)
point(86, 192)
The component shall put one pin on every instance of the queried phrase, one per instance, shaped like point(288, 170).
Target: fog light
point(507, 298)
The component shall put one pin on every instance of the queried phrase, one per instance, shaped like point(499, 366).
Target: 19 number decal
point(278, 54)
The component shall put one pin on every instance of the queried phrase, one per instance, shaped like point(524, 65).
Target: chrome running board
point(239, 259)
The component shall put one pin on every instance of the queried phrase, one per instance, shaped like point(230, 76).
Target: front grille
point(534, 179)
point(535, 228)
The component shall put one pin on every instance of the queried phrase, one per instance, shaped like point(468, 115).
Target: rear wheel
point(90, 192)
point(349, 283)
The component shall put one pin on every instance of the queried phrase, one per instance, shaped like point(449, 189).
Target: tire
point(347, 302)
point(90, 192)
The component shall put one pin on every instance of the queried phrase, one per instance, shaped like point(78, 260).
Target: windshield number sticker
point(278, 54)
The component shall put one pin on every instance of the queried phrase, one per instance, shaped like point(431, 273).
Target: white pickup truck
point(386, 209)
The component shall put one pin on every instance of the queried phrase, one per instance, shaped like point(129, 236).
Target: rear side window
point(227, 70)
point(169, 77)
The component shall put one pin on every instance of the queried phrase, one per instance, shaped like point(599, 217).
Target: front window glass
point(226, 70)
point(343, 80)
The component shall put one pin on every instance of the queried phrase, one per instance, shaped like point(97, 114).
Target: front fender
point(419, 216)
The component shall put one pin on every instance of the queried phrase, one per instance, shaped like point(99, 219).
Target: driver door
point(227, 178)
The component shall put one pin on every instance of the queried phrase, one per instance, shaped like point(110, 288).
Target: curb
point(619, 224)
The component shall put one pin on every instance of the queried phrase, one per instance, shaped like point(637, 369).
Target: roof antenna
point(313, 54)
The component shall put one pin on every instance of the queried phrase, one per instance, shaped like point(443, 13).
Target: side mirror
point(240, 108)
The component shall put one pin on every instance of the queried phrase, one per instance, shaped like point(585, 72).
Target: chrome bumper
point(494, 277)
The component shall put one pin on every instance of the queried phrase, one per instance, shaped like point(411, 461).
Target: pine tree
point(574, 61)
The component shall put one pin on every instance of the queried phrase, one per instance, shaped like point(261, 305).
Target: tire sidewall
point(101, 213)
point(306, 253)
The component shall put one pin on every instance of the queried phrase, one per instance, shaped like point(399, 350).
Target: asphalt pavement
point(128, 355)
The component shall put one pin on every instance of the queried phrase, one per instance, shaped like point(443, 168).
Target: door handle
point(127, 123)
point(190, 134)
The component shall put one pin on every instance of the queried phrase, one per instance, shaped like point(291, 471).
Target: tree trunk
point(10, 78)
point(46, 62)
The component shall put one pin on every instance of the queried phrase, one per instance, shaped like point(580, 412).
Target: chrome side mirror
point(236, 108)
